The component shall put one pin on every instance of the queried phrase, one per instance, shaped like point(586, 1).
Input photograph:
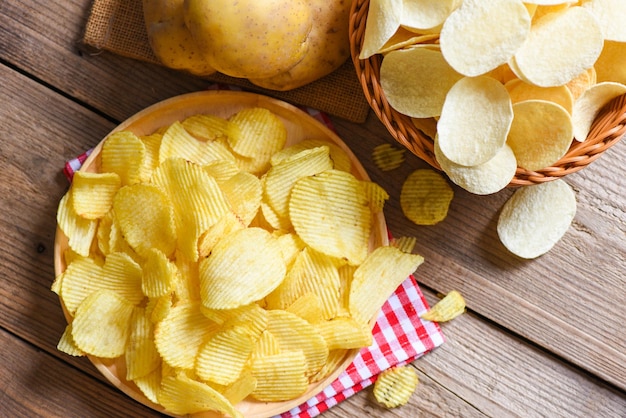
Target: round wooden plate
point(300, 126)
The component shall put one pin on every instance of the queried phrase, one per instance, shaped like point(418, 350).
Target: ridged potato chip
point(207, 127)
point(374, 281)
point(472, 138)
point(280, 376)
point(92, 193)
point(497, 27)
point(101, 325)
point(244, 192)
point(425, 197)
point(152, 145)
point(67, 345)
point(308, 307)
point(376, 196)
point(150, 384)
point(395, 386)
point(404, 244)
point(141, 354)
point(226, 285)
point(158, 274)
point(178, 143)
point(339, 157)
point(541, 133)
point(222, 358)
point(387, 157)
point(535, 218)
point(79, 231)
point(339, 199)
point(446, 309)
point(241, 388)
point(123, 153)
point(344, 333)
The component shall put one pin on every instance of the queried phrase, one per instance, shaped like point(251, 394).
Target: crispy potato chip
point(241, 388)
point(243, 267)
point(222, 358)
point(335, 359)
point(589, 104)
point(425, 197)
point(404, 244)
point(178, 143)
point(159, 308)
point(150, 384)
point(559, 46)
point(144, 215)
point(395, 386)
point(152, 144)
point(339, 199)
point(579, 84)
point(260, 134)
point(611, 65)
point(339, 157)
point(416, 81)
point(374, 281)
point(141, 354)
point(181, 395)
point(266, 345)
point(383, 20)
point(295, 334)
point(448, 308)
point(497, 27)
point(611, 14)
point(225, 225)
point(244, 192)
point(428, 126)
point(221, 170)
point(535, 218)
point(407, 38)
point(280, 377)
point(426, 14)
point(101, 324)
point(387, 157)
point(92, 193)
point(541, 133)
point(472, 138)
point(80, 278)
point(123, 153)
point(308, 307)
point(521, 91)
point(180, 334)
point(207, 127)
point(290, 245)
point(482, 179)
point(79, 231)
point(67, 345)
point(344, 333)
point(121, 274)
point(158, 273)
point(376, 196)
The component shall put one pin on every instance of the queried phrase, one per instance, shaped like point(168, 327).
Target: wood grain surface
point(542, 338)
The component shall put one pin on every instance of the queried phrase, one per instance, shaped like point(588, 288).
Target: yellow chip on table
point(448, 308)
point(395, 386)
point(541, 133)
point(535, 218)
point(497, 27)
point(425, 197)
point(387, 157)
point(472, 138)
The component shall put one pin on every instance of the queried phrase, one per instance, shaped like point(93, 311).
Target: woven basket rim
point(608, 128)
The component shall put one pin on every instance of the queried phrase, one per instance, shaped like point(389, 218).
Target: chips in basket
point(220, 266)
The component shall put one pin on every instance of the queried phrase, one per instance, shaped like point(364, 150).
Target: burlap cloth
point(117, 26)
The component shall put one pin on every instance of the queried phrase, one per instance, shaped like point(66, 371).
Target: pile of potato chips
point(222, 265)
point(498, 84)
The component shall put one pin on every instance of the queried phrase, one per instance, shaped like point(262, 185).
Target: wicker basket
point(608, 128)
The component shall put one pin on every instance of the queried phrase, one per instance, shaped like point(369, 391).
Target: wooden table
point(541, 338)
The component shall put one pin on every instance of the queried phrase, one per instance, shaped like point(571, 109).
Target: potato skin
point(250, 38)
point(329, 47)
point(170, 38)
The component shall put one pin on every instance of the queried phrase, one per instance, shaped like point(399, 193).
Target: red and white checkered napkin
point(400, 336)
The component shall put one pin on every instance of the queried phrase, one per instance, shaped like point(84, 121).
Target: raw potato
point(170, 38)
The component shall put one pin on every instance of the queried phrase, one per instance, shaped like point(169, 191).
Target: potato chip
point(611, 14)
point(416, 81)
point(376, 196)
point(159, 308)
point(80, 278)
point(497, 27)
point(589, 104)
point(101, 324)
point(521, 91)
point(395, 386)
point(579, 84)
point(472, 138)
point(181, 395)
point(228, 223)
point(344, 333)
point(221, 170)
point(241, 388)
point(611, 65)
point(141, 354)
point(535, 218)
point(404, 244)
point(339, 157)
point(243, 267)
point(425, 197)
point(123, 153)
point(448, 308)
point(93, 193)
point(158, 273)
point(67, 345)
point(337, 198)
point(186, 284)
point(308, 307)
point(244, 192)
point(150, 384)
point(426, 14)
point(559, 46)
point(178, 143)
point(295, 334)
point(541, 133)
point(260, 134)
point(280, 377)
point(383, 19)
point(207, 127)
point(374, 281)
point(222, 358)
point(428, 126)
point(387, 157)
point(335, 359)
point(482, 179)
point(121, 274)
point(180, 334)
point(79, 231)
point(152, 145)
point(405, 38)
point(144, 215)
point(266, 345)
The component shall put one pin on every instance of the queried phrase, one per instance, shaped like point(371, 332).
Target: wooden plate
point(300, 126)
